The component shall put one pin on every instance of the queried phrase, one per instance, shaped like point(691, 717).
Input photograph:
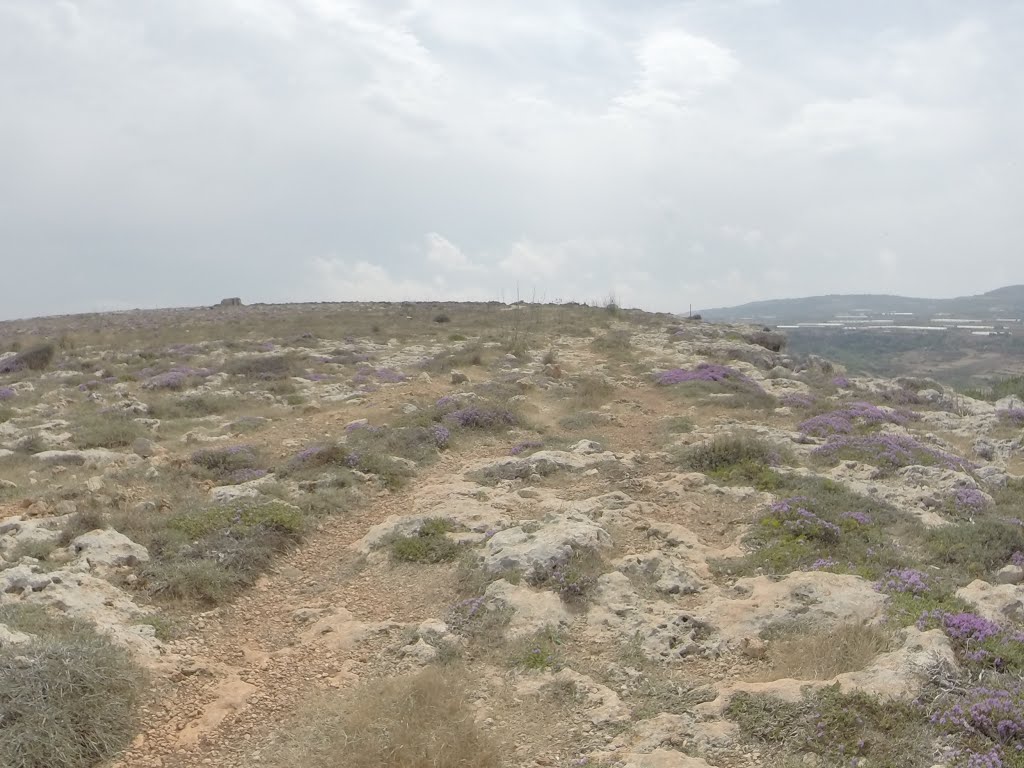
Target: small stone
point(1010, 574)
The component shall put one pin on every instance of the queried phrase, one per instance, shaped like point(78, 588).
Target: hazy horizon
point(162, 154)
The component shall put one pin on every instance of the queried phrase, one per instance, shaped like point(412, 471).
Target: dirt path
point(246, 668)
point(247, 665)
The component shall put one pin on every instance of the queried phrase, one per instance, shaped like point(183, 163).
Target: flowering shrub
point(841, 382)
point(525, 446)
point(482, 417)
point(711, 372)
point(6, 393)
point(845, 420)
point(888, 451)
point(861, 518)
point(795, 519)
point(905, 580)
point(247, 475)
point(797, 400)
point(226, 460)
point(174, 379)
point(573, 578)
point(1013, 417)
point(978, 641)
point(987, 721)
point(967, 502)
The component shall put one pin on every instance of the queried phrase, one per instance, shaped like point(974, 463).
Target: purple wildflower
point(247, 475)
point(441, 435)
point(802, 522)
point(858, 517)
point(1012, 416)
point(478, 417)
point(889, 451)
point(844, 420)
point(841, 382)
point(822, 564)
point(7, 393)
point(711, 372)
point(526, 445)
point(968, 501)
point(797, 400)
point(902, 581)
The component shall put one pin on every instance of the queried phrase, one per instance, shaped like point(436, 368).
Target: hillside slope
point(475, 536)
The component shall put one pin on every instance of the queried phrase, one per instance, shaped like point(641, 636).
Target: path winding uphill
point(662, 547)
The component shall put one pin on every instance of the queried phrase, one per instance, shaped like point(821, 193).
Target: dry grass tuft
point(823, 654)
point(419, 721)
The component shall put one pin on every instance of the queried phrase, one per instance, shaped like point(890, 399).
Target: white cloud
point(446, 255)
point(676, 68)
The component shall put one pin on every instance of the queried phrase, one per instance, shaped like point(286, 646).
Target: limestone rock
point(108, 547)
point(997, 602)
point(532, 610)
point(536, 548)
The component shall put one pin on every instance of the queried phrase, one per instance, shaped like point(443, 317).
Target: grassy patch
point(206, 554)
point(538, 652)
point(735, 458)
point(804, 653)
point(191, 406)
point(824, 526)
point(575, 579)
point(614, 345)
point(838, 727)
point(589, 392)
point(107, 430)
point(67, 701)
point(419, 721)
point(429, 544)
point(975, 549)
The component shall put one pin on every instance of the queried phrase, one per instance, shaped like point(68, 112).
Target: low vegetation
point(68, 697)
point(416, 721)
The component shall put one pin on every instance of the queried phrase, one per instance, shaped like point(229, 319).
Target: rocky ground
point(556, 536)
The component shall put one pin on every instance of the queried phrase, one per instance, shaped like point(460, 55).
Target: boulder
point(108, 547)
point(537, 547)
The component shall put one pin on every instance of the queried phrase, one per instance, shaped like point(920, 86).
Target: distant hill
point(1002, 302)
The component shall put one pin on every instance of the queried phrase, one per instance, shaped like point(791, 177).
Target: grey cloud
point(168, 153)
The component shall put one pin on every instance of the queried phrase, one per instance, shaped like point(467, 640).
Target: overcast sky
point(174, 152)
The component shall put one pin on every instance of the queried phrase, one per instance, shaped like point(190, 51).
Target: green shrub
point(263, 367)
point(538, 652)
point(193, 580)
point(842, 532)
point(838, 727)
point(721, 455)
point(191, 406)
point(107, 430)
point(239, 520)
point(36, 358)
point(975, 549)
point(67, 701)
point(429, 544)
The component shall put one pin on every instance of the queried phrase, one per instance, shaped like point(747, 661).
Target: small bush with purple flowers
point(824, 526)
point(573, 578)
point(979, 642)
point(887, 451)
point(986, 723)
point(857, 417)
point(222, 461)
